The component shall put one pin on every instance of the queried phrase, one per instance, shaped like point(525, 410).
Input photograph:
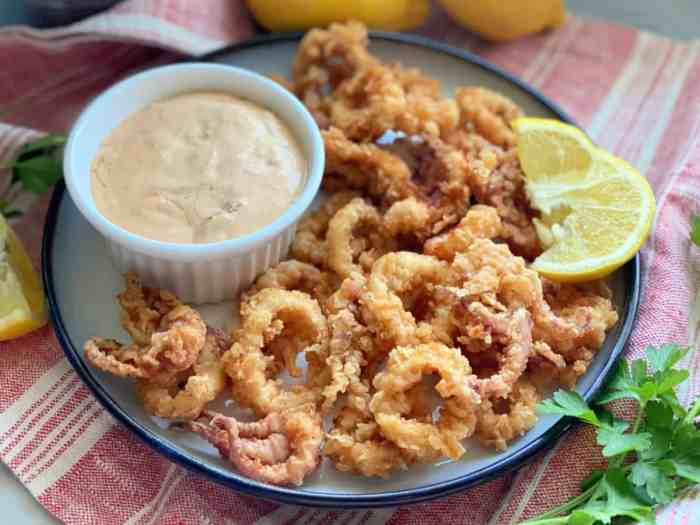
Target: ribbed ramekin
point(197, 273)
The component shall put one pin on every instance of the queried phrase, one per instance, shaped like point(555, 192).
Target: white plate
point(81, 284)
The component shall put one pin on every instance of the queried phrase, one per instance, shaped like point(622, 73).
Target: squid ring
point(202, 384)
point(390, 404)
point(342, 234)
point(495, 428)
point(269, 314)
point(309, 243)
point(517, 327)
point(173, 348)
point(395, 275)
point(294, 275)
point(280, 449)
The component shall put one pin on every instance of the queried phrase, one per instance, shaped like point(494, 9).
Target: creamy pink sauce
point(197, 168)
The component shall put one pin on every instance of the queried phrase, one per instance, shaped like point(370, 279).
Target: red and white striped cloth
point(634, 93)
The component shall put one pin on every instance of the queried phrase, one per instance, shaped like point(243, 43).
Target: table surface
point(678, 19)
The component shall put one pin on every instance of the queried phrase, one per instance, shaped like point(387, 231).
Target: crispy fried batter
point(200, 385)
point(280, 449)
point(489, 113)
point(295, 275)
point(325, 58)
point(480, 222)
point(356, 231)
point(500, 421)
point(310, 241)
point(174, 347)
point(269, 314)
point(390, 404)
point(394, 287)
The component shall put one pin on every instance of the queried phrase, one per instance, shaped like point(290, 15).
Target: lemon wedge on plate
point(596, 210)
point(21, 296)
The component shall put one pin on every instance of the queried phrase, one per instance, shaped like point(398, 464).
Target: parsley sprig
point(36, 168)
point(650, 459)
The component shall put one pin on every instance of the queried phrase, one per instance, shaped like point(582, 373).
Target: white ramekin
point(197, 273)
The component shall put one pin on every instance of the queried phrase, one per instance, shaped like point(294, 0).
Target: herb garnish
point(37, 166)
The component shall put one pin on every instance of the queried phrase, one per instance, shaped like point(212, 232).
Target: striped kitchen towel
point(634, 93)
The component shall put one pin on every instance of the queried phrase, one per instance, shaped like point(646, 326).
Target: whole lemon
point(501, 20)
point(391, 15)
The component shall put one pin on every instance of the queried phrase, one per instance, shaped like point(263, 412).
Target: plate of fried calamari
point(399, 351)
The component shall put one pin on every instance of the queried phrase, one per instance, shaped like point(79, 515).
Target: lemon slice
point(596, 210)
point(21, 296)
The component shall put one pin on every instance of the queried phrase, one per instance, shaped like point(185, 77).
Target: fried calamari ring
point(295, 275)
point(573, 320)
point(408, 219)
point(383, 97)
point(325, 58)
point(427, 112)
point(512, 329)
point(355, 443)
point(363, 450)
point(365, 167)
point(269, 314)
point(503, 187)
point(439, 174)
point(142, 308)
point(489, 273)
point(502, 420)
point(390, 404)
point(396, 278)
point(280, 449)
point(173, 348)
point(489, 113)
point(348, 343)
point(309, 243)
point(368, 104)
point(187, 396)
point(480, 222)
point(356, 231)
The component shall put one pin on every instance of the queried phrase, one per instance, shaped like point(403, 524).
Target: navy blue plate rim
point(316, 498)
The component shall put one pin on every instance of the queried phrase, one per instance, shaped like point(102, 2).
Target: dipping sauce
point(196, 168)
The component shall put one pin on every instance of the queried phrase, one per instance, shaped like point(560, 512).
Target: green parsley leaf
point(686, 439)
point(671, 400)
point(650, 460)
point(568, 403)
point(658, 415)
point(695, 228)
point(669, 379)
point(37, 166)
point(47, 142)
point(658, 485)
point(593, 478)
point(665, 357)
point(616, 498)
point(38, 174)
point(7, 211)
point(658, 421)
point(615, 441)
point(687, 467)
point(638, 371)
point(623, 383)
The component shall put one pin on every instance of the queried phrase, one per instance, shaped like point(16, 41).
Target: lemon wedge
point(596, 209)
point(21, 296)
